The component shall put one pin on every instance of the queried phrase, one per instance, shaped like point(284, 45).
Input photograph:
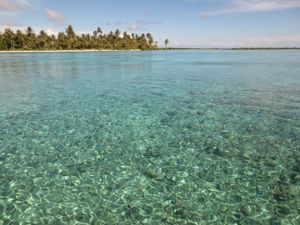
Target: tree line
point(69, 40)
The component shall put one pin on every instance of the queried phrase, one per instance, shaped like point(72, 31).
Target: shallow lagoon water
point(163, 137)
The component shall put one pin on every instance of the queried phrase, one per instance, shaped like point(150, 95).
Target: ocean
point(154, 137)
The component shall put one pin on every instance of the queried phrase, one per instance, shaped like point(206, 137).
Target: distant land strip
point(242, 48)
point(134, 50)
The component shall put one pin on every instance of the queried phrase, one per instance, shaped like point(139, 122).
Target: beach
point(57, 51)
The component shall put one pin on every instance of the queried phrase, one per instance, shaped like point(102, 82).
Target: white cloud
point(10, 23)
point(12, 7)
point(55, 17)
point(114, 23)
point(134, 27)
point(6, 5)
point(140, 25)
point(240, 6)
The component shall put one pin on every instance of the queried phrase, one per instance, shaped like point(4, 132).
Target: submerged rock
point(283, 209)
point(246, 210)
point(64, 172)
point(151, 174)
point(271, 163)
point(218, 151)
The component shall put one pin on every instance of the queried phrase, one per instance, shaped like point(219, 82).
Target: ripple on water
point(134, 140)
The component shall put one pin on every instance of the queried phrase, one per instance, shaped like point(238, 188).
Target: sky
point(186, 23)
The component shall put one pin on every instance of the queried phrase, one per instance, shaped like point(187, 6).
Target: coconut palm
point(167, 42)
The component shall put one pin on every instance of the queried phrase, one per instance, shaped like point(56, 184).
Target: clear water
point(179, 137)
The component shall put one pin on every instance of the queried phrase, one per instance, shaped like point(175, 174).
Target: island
point(30, 41)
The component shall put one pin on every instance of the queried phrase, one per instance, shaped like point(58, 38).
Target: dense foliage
point(10, 40)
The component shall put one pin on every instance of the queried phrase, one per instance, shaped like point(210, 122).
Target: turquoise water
point(178, 137)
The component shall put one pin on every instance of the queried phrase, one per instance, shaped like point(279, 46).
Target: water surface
point(163, 137)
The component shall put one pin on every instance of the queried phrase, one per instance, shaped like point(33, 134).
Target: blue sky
point(187, 23)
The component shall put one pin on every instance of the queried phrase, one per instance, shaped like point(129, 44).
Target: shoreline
point(137, 50)
point(62, 51)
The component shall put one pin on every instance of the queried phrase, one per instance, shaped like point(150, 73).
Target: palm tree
point(117, 33)
point(94, 39)
point(30, 41)
point(42, 39)
point(70, 36)
point(99, 31)
point(52, 42)
point(1, 42)
point(167, 42)
point(20, 39)
point(29, 31)
point(88, 41)
point(142, 42)
point(150, 39)
point(8, 38)
point(61, 41)
point(70, 32)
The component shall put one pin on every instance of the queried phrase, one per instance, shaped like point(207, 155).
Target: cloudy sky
point(187, 23)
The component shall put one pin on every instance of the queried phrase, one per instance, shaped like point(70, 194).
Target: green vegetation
point(69, 40)
point(167, 42)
